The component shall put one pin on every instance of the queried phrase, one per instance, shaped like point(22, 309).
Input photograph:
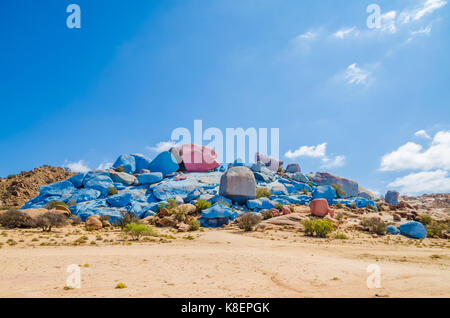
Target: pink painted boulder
point(319, 207)
point(199, 158)
point(285, 210)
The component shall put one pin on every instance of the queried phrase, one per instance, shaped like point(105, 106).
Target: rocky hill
point(15, 190)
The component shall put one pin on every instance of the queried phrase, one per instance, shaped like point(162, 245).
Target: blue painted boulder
point(142, 162)
point(120, 200)
point(293, 168)
point(391, 197)
point(171, 189)
point(77, 180)
point(260, 204)
point(165, 163)
point(83, 195)
point(324, 192)
point(100, 182)
point(127, 162)
point(391, 229)
point(413, 230)
point(216, 216)
point(62, 189)
point(150, 178)
point(298, 176)
point(278, 189)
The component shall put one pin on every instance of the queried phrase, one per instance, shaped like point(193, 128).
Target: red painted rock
point(319, 207)
point(275, 212)
point(199, 158)
point(285, 210)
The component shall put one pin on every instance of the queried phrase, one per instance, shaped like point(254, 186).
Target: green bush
point(179, 213)
point(279, 206)
point(202, 204)
point(341, 236)
point(247, 221)
point(305, 191)
point(425, 219)
point(112, 191)
point(171, 204)
point(16, 219)
point(339, 205)
point(317, 227)
point(340, 193)
point(126, 218)
point(436, 229)
point(374, 225)
point(263, 193)
point(194, 224)
point(137, 230)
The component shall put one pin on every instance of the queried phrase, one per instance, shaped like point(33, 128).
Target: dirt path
point(221, 263)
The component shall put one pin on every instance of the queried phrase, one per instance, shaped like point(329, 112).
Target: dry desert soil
point(220, 263)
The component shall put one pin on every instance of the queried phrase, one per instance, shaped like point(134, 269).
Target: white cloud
point(411, 156)
point(163, 146)
point(319, 152)
point(422, 31)
point(388, 22)
point(79, 166)
point(308, 151)
point(338, 161)
point(356, 75)
point(310, 35)
point(437, 181)
point(342, 33)
point(422, 133)
point(105, 165)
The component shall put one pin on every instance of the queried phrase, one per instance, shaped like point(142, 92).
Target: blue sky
point(368, 104)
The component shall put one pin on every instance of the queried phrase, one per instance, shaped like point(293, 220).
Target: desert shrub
point(137, 230)
point(305, 191)
point(76, 220)
point(49, 220)
point(371, 207)
point(202, 204)
point(340, 236)
point(339, 205)
point(16, 219)
point(279, 206)
point(374, 225)
point(171, 204)
point(248, 221)
point(121, 286)
point(317, 227)
point(436, 229)
point(126, 218)
point(267, 215)
point(194, 224)
point(119, 169)
point(263, 193)
point(425, 219)
point(112, 191)
point(179, 213)
point(53, 204)
point(340, 193)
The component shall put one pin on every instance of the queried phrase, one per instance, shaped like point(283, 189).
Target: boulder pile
point(185, 175)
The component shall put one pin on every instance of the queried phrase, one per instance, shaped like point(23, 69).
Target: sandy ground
point(229, 263)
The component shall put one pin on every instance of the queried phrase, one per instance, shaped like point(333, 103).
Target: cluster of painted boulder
point(190, 173)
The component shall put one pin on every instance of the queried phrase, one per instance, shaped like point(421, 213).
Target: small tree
point(126, 218)
point(248, 221)
point(137, 230)
point(49, 220)
point(317, 227)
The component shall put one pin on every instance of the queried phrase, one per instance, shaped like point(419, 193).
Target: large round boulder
point(127, 162)
point(413, 230)
point(238, 184)
point(320, 208)
point(199, 158)
point(350, 187)
point(165, 163)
